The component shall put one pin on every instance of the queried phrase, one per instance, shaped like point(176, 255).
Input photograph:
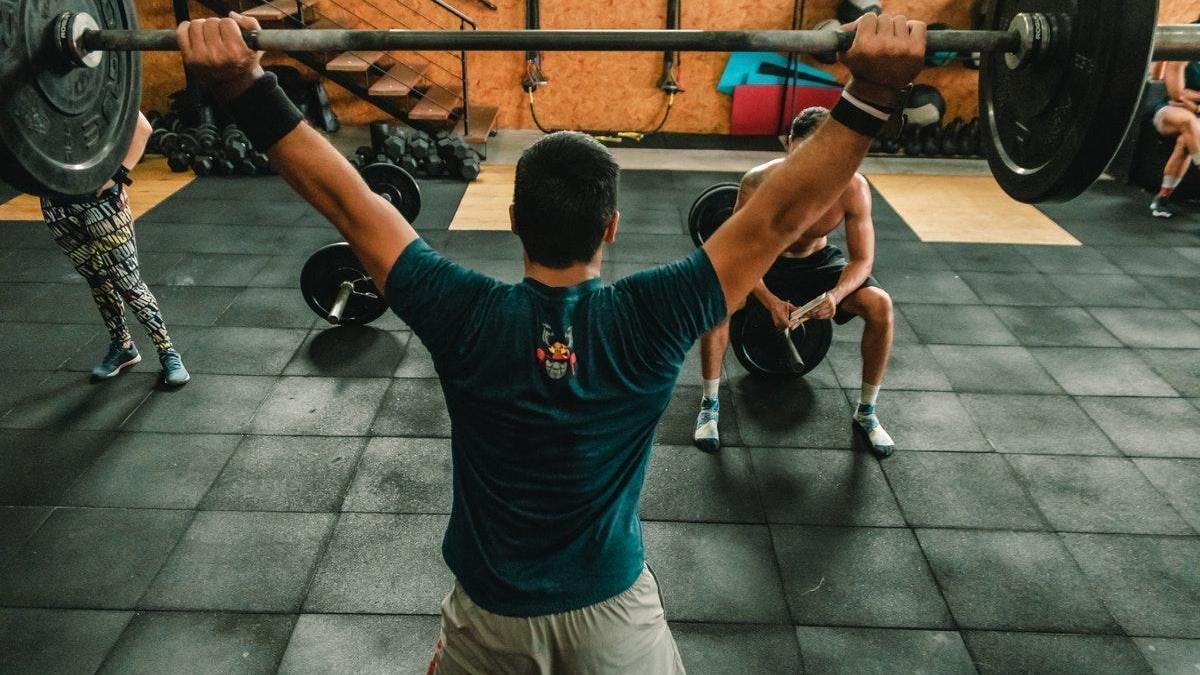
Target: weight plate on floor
point(63, 129)
point(712, 208)
point(395, 185)
point(759, 346)
point(323, 275)
point(1054, 124)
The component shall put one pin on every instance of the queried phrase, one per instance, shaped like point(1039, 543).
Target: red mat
point(756, 106)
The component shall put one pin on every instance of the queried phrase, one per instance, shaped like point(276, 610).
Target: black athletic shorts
point(799, 280)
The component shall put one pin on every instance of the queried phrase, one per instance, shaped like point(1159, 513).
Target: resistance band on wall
point(668, 82)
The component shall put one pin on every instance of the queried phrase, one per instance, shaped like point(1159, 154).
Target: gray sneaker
point(117, 359)
point(173, 372)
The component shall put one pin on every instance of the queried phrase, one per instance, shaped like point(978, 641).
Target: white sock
point(712, 387)
point(1172, 182)
point(1196, 159)
point(868, 394)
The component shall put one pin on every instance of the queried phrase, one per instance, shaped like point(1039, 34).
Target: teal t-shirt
point(554, 395)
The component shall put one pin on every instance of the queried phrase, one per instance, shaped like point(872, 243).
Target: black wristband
point(860, 117)
point(265, 113)
point(122, 176)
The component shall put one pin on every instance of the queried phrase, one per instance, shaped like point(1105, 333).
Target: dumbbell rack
point(205, 149)
point(437, 155)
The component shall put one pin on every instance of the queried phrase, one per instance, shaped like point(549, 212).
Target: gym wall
point(616, 91)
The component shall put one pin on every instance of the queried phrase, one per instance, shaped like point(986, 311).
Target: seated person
point(1178, 117)
point(809, 267)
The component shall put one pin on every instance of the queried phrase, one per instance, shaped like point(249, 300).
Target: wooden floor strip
point(485, 204)
point(153, 182)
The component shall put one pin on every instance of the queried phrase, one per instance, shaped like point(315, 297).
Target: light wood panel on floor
point(153, 182)
point(485, 204)
point(967, 209)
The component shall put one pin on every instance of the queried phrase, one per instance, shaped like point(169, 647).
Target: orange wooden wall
point(617, 90)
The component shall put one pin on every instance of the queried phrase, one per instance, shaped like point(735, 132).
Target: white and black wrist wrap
point(860, 116)
point(265, 113)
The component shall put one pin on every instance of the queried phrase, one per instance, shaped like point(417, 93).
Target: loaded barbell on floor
point(759, 346)
point(1058, 89)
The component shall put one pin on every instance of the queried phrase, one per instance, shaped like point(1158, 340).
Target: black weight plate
point(322, 276)
point(63, 130)
point(759, 347)
point(397, 186)
point(1054, 125)
point(712, 208)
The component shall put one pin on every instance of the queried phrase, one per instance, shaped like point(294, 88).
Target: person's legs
point(712, 353)
point(110, 223)
point(874, 305)
point(1185, 127)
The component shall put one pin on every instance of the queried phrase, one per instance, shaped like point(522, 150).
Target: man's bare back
point(816, 237)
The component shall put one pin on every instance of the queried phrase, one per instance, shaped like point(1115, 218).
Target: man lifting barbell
point(1178, 116)
point(808, 268)
point(555, 385)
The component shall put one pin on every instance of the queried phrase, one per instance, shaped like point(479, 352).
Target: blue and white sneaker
point(867, 424)
point(173, 372)
point(706, 437)
point(117, 359)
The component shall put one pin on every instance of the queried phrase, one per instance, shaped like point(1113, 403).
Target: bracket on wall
point(534, 77)
point(668, 82)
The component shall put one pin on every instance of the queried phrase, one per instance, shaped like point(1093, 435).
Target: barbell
point(1059, 85)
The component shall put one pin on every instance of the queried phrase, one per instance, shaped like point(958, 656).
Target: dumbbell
point(206, 137)
point(395, 147)
point(470, 168)
point(168, 142)
point(235, 148)
point(950, 135)
point(435, 166)
point(366, 154)
point(931, 140)
point(420, 147)
point(452, 148)
point(409, 164)
point(911, 141)
point(246, 167)
point(223, 167)
point(261, 163)
point(179, 161)
point(153, 117)
point(202, 165)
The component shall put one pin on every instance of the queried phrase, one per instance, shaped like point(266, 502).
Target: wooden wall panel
point(612, 90)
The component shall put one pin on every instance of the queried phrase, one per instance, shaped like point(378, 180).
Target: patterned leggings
point(97, 234)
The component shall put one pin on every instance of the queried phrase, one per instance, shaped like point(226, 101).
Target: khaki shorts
point(627, 633)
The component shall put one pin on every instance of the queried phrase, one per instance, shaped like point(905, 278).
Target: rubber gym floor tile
point(206, 238)
point(66, 400)
point(180, 306)
point(726, 648)
point(149, 471)
point(1178, 292)
point(323, 406)
point(911, 366)
point(1179, 481)
point(413, 407)
point(351, 580)
point(927, 420)
point(1034, 424)
point(236, 350)
point(162, 642)
point(306, 240)
point(1055, 327)
point(933, 287)
point(42, 346)
point(333, 643)
point(1163, 328)
point(279, 271)
point(649, 248)
point(678, 422)
point(222, 404)
point(906, 255)
point(997, 580)
point(265, 188)
point(715, 572)
point(37, 467)
point(820, 377)
point(856, 651)
point(1068, 259)
point(685, 484)
point(440, 200)
point(403, 475)
point(1029, 653)
point(100, 558)
point(659, 219)
point(983, 257)
point(1149, 583)
point(1152, 427)
point(1097, 494)
point(857, 577)
point(957, 325)
point(967, 491)
point(57, 640)
point(788, 413)
point(1101, 372)
point(18, 388)
point(211, 269)
point(416, 360)
point(225, 211)
point(349, 351)
point(1168, 656)
point(246, 562)
point(1104, 290)
point(998, 370)
point(1150, 261)
point(38, 266)
point(267, 308)
point(823, 487)
point(1014, 288)
point(286, 473)
point(17, 525)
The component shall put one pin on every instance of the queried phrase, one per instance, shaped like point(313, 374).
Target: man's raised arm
point(887, 53)
point(214, 50)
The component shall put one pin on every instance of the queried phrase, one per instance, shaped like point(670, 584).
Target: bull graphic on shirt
point(557, 356)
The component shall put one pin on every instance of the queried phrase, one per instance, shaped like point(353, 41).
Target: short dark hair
point(564, 197)
point(807, 122)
